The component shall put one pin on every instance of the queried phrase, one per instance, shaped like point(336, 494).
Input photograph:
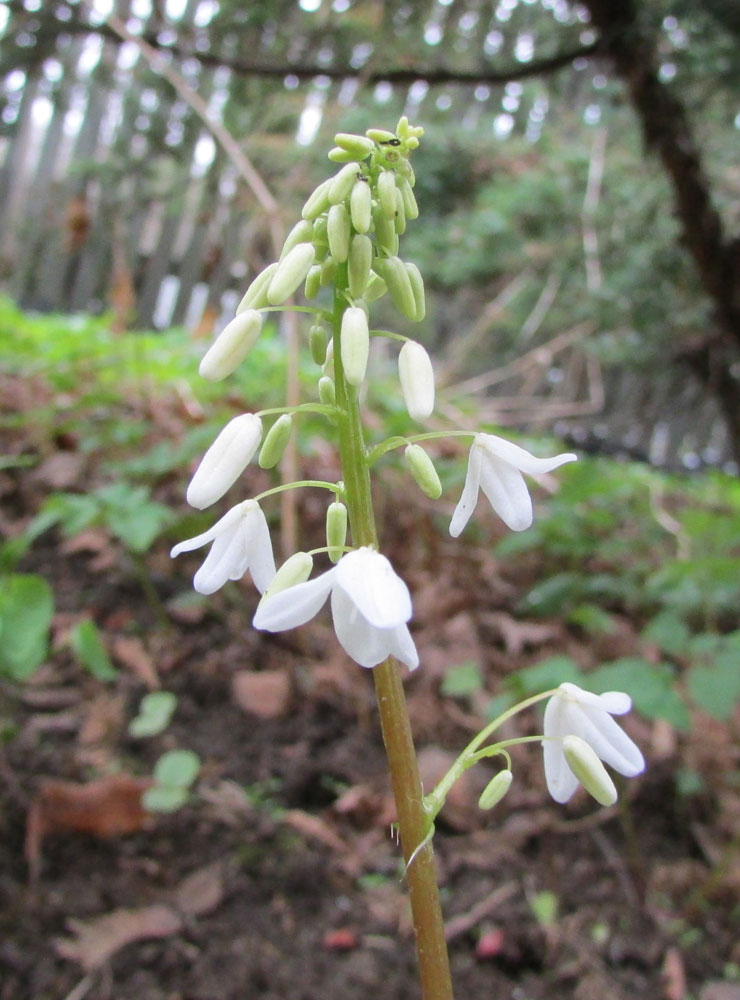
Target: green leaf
point(544, 906)
point(650, 685)
point(716, 688)
point(670, 632)
point(463, 680)
point(155, 712)
point(177, 768)
point(26, 609)
point(549, 673)
point(89, 649)
point(164, 798)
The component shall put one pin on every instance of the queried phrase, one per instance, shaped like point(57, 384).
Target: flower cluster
point(348, 241)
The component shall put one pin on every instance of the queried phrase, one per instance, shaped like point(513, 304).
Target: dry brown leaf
point(97, 940)
point(60, 471)
point(315, 828)
point(720, 991)
point(266, 694)
point(517, 634)
point(94, 540)
point(673, 975)
point(131, 653)
point(108, 807)
point(201, 891)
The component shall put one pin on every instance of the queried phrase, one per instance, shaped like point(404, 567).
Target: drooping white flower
point(241, 542)
point(496, 467)
point(370, 606)
point(574, 712)
point(225, 460)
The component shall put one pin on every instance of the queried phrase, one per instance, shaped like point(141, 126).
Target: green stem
point(434, 970)
point(335, 488)
point(397, 442)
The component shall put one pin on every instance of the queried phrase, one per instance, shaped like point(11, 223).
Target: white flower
point(241, 542)
point(225, 460)
point(496, 467)
point(369, 603)
point(574, 712)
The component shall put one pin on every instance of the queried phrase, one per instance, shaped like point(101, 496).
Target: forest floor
point(280, 878)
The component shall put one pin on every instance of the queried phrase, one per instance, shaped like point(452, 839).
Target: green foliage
point(88, 647)
point(463, 680)
point(26, 610)
point(155, 712)
point(174, 773)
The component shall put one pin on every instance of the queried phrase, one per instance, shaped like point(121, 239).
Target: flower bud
point(328, 368)
point(358, 266)
point(319, 231)
point(302, 232)
point(342, 183)
point(495, 790)
point(385, 231)
point(409, 200)
point(317, 340)
point(225, 460)
point(417, 380)
point(328, 270)
point(586, 766)
point(375, 288)
point(400, 219)
point(231, 346)
point(395, 275)
point(339, 155)
point(255, 296)
point(423, 471)
point(355, 344)
point(360, 205)
point(275, 441)
point(380, 135)
point(407, 171)
point(327, 391)
point(417, 287)
point(296, 569)
point(336, 529)
point(338, 231)
point(387, 193)
point(313, 281)
point(356, 144)
point(291, 271)
point(318, 202)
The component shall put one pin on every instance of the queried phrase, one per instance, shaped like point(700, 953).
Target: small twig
point(588, 213)
point(81, 989)
point(463, 922)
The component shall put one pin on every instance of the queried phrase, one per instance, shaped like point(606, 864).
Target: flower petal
point(521, 459)
point(469, 497)
point(225, 524)
point(225, 561)
point(366, 644)
point(258, 545)
point(294, 606)
point(606, 737)
point(402, 646)
point(561, 782)
point(507, 492)
point(371, 583)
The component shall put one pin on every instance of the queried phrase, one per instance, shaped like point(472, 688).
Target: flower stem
point(413, 821)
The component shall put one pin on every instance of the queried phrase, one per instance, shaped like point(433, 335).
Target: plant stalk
point(413, 822)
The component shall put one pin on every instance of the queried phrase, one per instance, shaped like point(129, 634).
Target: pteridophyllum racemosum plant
point(347, 242)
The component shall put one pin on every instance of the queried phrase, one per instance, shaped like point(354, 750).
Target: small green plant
point(26, 610)
point(155, 712)
point(88, 647)
point(174, 774)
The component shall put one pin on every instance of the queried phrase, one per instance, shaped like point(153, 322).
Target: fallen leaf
point(97, 940)
point(107, 807)
point(131, 653)
point(314, 827)
point(201, 891)
point(720, 991)
point(266, 694)
point(60, 471)
point(673, 976)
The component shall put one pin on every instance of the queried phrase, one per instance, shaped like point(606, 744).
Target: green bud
point(313, 281)
point(356, 144)
point(423, 471)
point(393, 271)
point(387, 193)
point(417, 287)
point(317, 340)
point(319, 231)
point(296, 569)
point(400, 220)
point(407, 171)
point(380, 135)
point(409, 200)
point(375, 288)
point(342, 183)
point(231, 346)
point(355, 344)
point(336, 529)
point(255, 296)
point(291, 271)
point(327, 391)
point(585, 764)
point(318, 202)
point(339, 155)
point(358, 265)
point(338, 230)
point(360, 205)
point(328, 270)
point(302, 232)
point(328, 368)
point(385, 231)
point(275, 441)
point(495, 790)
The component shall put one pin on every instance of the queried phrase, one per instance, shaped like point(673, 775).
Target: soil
point(280, 878)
